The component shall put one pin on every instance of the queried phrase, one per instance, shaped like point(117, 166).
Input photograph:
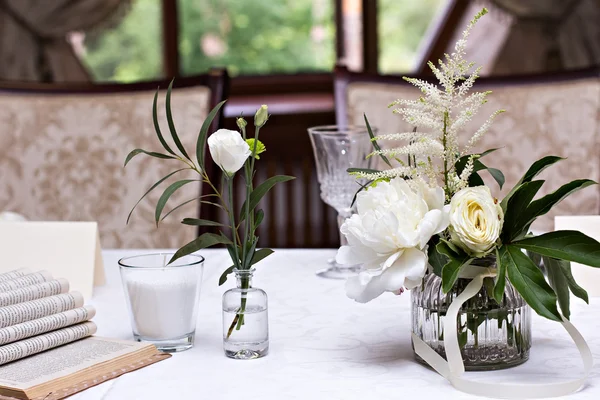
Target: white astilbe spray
point(443, 109)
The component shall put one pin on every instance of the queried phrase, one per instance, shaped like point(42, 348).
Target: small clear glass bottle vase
point(490, 335)
point(245, 319)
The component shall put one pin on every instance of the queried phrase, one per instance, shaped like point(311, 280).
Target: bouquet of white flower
point(431, 213)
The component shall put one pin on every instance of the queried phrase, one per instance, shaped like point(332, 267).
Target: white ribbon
point(454, 367)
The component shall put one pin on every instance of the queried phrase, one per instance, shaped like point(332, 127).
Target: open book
point(46, 351)
point(65, 370)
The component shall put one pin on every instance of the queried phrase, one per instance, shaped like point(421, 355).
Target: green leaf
point(231, 250)
point(541, 206)
point(529, 281)
point(202, 136)
point(533, 171)
point(171, 124)
point(497, 175)
point(223, 276)
point(475, 180)
point(558, 282)
point(135, 152)
point(151, 189)
point(162, 201)
point(513, 217)
point(259, 255)
point(250, 247)
point(260, 215)
point(157, 126)
point(200, 222)
point(455, 263)
point(498, 292)
point(201, 242)
point(262, 189)
point(565, 245)
point(179, 206)
point(375, 144)
point(575, 288)
point(435, 258)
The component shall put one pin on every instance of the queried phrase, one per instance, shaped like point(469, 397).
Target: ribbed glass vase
point(491, 335)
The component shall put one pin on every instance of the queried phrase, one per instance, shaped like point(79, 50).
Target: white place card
point(69, 250)
point(587, 277)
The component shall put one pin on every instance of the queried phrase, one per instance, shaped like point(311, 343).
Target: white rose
point(9, 216)
point(476, 220)
point(389, 236)
point(228, 150)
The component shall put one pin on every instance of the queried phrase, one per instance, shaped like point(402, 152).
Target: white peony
point(476, 220)
point(389, 236)
point(228, 150)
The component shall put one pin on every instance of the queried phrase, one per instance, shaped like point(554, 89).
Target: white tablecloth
point(322, 344)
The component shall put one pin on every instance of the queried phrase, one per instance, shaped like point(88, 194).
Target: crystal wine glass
point(336, 149)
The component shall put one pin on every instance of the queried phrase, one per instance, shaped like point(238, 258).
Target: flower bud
point(261, 116)
point(241, 123)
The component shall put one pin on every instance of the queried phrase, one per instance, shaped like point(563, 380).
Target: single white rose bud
point(241, 123)
point(476, 220)
point(261, 116)
point(228, 150)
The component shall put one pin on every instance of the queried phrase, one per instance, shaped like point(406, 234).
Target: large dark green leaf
point(375, 144)
point(259, 255)
point(157, 126)
point(529, 281)
point(575, 288)
point(171, 124)
point(201, 143)
point(162, 201)
point(135, 152)
point(533, 171)
point(513, 217)
point(542, 206)
point(558, 282)
point(201, 242)
point(456, 260)
point(262, 189)
point(435, 258)
point(200, 222)
point(565, 245)
point(497, 175)
point(498, 292)
point(151, 189)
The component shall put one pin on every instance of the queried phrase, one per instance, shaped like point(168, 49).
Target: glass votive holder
point(163, 299)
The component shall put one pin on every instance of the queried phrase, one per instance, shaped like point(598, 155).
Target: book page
point(7, 276)
point(34, 292)
point(30, 310)
point(37, 344)
point(46, 324)
point(63, 361)
point(25, 280)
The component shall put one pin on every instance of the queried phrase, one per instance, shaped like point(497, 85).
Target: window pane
point(256, 37)
point(130, 51)
point(402, 25)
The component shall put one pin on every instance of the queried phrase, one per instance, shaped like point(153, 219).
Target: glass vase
point(245, 319)
point(490, 335)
